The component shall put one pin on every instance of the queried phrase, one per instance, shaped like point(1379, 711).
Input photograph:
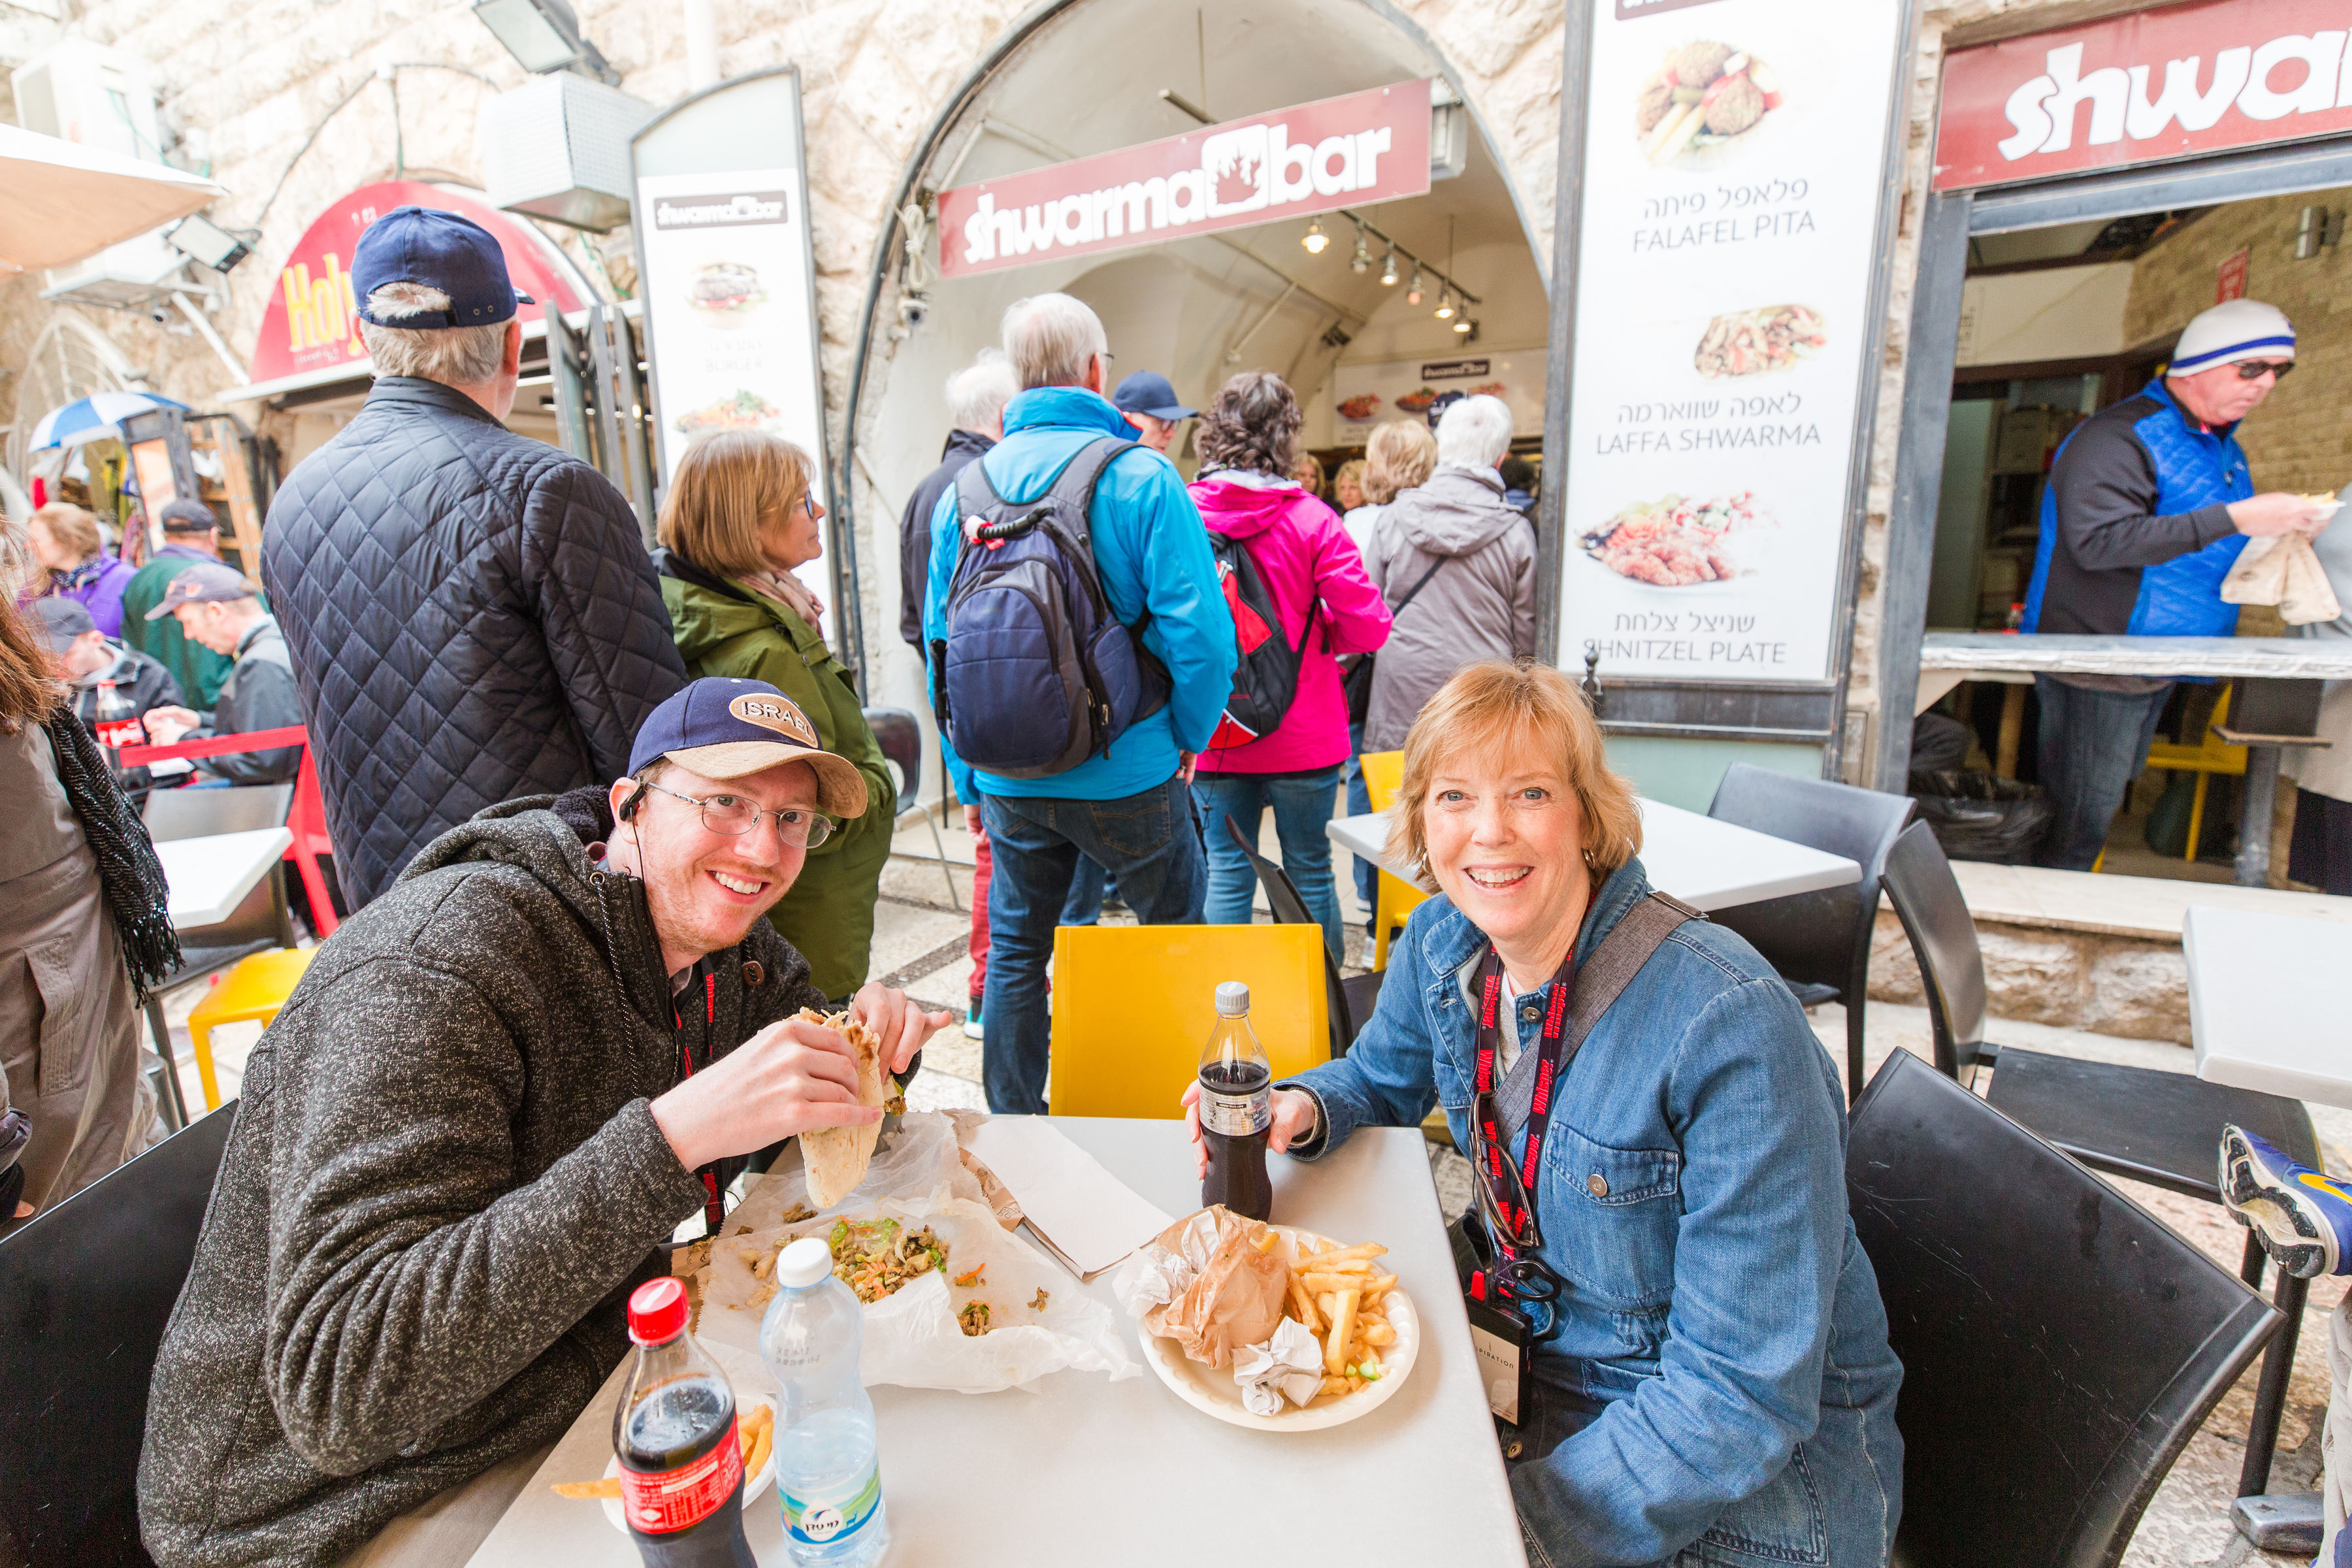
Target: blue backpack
point(1036, 674)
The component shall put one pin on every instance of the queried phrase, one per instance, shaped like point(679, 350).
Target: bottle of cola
point(117, 725)
point(681, 1461)
point(1237, 1109)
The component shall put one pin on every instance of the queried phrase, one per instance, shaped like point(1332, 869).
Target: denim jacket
point(1721, 1331)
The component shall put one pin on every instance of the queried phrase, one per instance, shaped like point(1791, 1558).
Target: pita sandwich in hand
point(834, 1158)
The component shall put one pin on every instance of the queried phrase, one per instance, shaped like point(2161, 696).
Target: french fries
point(755, 1430)
point(1343, 1323)
point(1338, 1295)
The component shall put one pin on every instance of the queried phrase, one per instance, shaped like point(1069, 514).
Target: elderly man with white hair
point(1128, 806)
point(976, 396)
point(1456, 564)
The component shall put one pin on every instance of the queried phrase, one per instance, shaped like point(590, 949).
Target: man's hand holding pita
point(790, 1077)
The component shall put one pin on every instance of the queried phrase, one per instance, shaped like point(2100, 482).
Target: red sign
point(309, 324)
point(2230, 278)
point(2150, 85)
point(1340, 152)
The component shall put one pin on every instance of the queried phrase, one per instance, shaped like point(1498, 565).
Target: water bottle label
point(1237, 1115)
point(658, 1503)
point(817, 1523)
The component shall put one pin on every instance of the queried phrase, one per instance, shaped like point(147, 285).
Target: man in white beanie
point(2148, 506)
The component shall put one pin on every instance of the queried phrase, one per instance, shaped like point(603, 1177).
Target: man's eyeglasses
point(733, 816)
point(2253, 369)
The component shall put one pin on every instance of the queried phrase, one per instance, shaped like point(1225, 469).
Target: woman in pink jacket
point(1248, 443)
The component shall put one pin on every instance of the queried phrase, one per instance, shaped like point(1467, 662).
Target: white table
point(1091, 1471)
point(2266, 1002)
point(1707, 864)
point(210, 875)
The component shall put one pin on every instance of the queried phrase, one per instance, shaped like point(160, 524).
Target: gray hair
point(1475, 433)
point(1051, 339)
point(978, 393)
point(454, 356)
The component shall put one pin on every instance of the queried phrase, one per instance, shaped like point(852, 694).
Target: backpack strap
point(1075, 485)
point(974, 494)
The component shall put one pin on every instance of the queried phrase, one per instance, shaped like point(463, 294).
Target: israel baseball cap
point(2233, 329)
point(61, 620)
point(1148, 392)
point(725, 728)
point(438, 250)
point(207, 582)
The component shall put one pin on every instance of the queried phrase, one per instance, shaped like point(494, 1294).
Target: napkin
point(1086, 1216)
point(1291, 1363)
point(2283, 569)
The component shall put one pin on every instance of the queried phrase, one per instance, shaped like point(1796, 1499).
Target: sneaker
point(2302, 1216)
point(972, 1023)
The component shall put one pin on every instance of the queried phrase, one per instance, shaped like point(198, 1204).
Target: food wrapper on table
point(1204, 1283)
point(1040, 1321)
point(1289, 1366)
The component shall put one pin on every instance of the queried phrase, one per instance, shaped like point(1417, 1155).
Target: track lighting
point(1315, 239)
point(1414, 290)
point(1388, 269)
point(1363, 256)
point(1445, 304)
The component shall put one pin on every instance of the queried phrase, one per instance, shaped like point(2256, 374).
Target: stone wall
point(2070, 980)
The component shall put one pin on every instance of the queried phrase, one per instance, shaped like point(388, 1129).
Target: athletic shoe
point(2304, 1216)
point(972, 1023)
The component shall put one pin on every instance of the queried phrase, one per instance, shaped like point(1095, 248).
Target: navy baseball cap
point(205, 583)
point(439, 250)
point(1148, 392)
point(724, 728)
point(61, 620)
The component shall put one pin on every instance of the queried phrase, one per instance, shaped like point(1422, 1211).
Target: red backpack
point(1266, 676)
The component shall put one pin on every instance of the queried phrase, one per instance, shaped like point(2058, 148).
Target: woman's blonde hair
point(1400, 456)
point(1351, 472)
point(725, 484)
point(71, 526)
point(1527, 710)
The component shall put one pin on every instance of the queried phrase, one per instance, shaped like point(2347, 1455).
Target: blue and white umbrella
point(96, 417)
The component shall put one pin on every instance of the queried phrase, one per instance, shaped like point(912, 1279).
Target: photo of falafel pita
point(1703, 95)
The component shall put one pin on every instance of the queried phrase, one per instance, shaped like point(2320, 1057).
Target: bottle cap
point(1232, 999)
point(804, 1263)
point(658, 1310)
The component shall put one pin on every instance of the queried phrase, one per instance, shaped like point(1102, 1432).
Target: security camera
point(160, 316)
point(913, 308)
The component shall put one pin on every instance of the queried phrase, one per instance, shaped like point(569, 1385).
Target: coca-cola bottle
point(117, 725)
point(1237, 1109)
point(681, 1461)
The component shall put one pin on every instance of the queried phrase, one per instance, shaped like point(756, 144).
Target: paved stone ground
point(919, 945)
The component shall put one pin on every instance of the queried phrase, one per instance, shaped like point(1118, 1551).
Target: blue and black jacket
point(2136, 531)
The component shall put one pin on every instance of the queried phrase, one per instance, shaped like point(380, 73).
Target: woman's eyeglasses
point(732, 816)
point(2253, 369)
point(1498, 1193)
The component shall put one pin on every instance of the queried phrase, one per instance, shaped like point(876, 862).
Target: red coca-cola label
point(119, 732)
point(658, 1503)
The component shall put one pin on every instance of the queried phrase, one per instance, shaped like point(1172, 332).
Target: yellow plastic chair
point(253, 989)
point(1383, 777)
point(1134, 1005)
point(2210, 755)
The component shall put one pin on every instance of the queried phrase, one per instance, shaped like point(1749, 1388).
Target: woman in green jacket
point(741, 516)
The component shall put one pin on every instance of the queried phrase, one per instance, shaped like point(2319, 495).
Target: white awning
point(61, 201)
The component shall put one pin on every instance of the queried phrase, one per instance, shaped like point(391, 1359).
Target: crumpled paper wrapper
point(913, 1338)
point(2283, 569)
point(1289, 1366)
point(1201, 1283)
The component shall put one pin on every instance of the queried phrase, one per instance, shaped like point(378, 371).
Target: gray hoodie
point(1481, 603)
point(443, 1181)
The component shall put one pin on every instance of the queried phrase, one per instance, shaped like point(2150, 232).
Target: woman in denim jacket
point(1716, 1386)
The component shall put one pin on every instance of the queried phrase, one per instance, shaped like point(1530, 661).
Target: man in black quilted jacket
point(471, 613)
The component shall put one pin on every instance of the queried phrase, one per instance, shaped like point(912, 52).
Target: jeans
point(1360, 800)
point(1149, 844)
point(2091, 745)
point(1301, 807)
point(1084, 906)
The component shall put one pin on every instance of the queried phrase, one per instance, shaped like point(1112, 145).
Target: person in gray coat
point(489, 1102)
point(1461, 560)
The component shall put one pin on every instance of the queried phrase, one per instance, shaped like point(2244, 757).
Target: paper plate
point(1214, 1392)
point(754, 1486)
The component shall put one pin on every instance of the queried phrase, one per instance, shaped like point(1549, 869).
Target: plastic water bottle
point(828, 1468)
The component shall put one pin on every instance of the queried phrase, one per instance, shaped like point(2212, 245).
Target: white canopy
point(61, 201)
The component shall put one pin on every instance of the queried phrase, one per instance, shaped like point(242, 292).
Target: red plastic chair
point(307, 819)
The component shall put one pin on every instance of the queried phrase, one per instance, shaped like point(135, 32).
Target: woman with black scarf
point(84, 930)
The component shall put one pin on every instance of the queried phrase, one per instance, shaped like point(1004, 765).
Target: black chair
point(1349, 1001)
point(260, 922)
point(1819, 941)
point(85, 1292)
point(2161, 1128)
point(2059, 1345)
point(900, 736)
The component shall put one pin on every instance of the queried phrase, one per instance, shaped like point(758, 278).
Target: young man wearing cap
point(191, 534)
point(1148, 401)
point(216, 609)
point(481, 1116)
point(89, 658)
point(472, 612)
point(2148, 506)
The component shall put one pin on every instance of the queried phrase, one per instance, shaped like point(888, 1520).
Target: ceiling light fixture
point(1315, 238)
point(1445, 304)
point(544, 36)
point(1388, 269)
point(1414, 290)
point(1362, 260)
point(1463, 324)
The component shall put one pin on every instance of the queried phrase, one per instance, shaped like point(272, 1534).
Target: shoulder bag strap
point(1412, 593)
point(1619, 958)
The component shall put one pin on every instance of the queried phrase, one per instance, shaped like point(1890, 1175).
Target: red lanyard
point(713, 1211)
point(1548, 1068)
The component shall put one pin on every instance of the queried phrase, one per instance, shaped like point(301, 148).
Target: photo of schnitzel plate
point(1677, 540)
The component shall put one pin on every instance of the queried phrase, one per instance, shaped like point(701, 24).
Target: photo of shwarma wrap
point(1703, 95)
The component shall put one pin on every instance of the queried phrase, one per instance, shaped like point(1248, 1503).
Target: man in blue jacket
point(2148, 506)
point(1128, 809)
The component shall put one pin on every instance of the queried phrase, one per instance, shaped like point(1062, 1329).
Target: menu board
point(1371, 394)
point(1734, 166)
